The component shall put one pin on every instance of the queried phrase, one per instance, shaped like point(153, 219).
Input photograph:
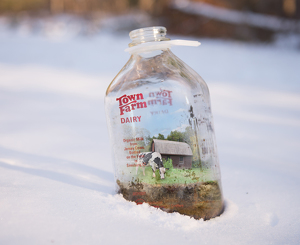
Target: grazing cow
point(155, 161)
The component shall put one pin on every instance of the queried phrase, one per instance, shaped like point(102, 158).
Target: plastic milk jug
point(161, 130)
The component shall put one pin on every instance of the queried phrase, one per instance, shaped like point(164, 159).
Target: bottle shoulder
point(165, 69)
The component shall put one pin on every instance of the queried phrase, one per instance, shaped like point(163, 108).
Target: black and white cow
point(155, 161)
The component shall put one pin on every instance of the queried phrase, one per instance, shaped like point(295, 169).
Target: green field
point(173, 176)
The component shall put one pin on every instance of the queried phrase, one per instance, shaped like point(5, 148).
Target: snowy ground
point(56, 178)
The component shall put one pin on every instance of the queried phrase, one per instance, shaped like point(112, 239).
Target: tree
point(194, 122)
point(176, 136)
point(188, 135)
point(160, 137)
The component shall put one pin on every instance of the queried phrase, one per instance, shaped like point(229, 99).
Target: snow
point(56, 177)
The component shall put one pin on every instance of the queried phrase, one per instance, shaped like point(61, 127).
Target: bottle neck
point(149, 34)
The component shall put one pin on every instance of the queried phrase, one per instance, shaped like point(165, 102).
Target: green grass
point(173, 176)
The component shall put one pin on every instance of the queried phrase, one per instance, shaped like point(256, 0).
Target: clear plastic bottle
point(161, 130)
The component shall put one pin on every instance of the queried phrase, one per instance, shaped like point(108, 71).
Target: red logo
point(128, 103)
point(162, 97)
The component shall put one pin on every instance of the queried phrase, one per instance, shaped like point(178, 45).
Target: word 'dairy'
point(131, 119)
point(128, 103)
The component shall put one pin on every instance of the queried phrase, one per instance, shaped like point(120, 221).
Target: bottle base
point(197, 200)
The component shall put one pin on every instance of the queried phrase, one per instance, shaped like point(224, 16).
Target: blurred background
point(57, 58)
point(247, 20)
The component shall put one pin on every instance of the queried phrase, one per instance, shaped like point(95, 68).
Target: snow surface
point(56, 177)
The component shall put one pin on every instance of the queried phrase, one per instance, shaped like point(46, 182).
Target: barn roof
point(172, 147)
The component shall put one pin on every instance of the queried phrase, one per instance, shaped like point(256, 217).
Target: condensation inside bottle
point(162, 133)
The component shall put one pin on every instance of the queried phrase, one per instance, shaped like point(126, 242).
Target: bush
point(168, 163)
point(196, 164)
